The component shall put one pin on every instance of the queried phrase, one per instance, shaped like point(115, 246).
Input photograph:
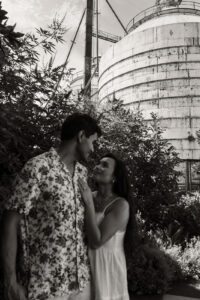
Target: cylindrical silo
point(77, 82)
point(156, 68)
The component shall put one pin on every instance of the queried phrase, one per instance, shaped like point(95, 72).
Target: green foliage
point(177, 262)
point(22, 77)
point(187, 258)
point(151, 271)
point(29, 118)
point(184, 218)
point(151, 160)
point(9, 39)
point(151, 267)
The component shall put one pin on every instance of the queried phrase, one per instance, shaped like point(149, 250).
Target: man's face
point(85, 145)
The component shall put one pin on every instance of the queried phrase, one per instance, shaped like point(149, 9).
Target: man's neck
point(67, 155)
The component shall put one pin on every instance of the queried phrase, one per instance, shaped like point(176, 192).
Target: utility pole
point(97, 33)
point(88, 47)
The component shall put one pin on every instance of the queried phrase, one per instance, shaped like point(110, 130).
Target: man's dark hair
point(77, 122)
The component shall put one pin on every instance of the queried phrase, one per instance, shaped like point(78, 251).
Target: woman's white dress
point(108, 265)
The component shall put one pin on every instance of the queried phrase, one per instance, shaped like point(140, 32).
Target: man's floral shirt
point(55, 255)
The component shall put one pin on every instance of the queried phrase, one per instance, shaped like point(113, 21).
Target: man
point(50, 220)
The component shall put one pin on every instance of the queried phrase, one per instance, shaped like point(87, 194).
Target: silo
point(156, 68)
point(77, 82)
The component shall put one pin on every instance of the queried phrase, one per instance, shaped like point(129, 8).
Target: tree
point(29, 117)
point(151, 160)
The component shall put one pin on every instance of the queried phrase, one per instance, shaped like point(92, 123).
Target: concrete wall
point(157, 70)
point(78, 83)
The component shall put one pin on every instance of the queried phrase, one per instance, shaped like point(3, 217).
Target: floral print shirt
point(55, 255)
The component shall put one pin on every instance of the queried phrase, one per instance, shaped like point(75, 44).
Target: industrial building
point(156, 68)
point(77, 82)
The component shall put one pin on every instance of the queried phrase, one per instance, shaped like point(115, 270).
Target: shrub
point(151, 268)
point(183, 263)
point(189, 260)
point(151, 271)
point(184, 218)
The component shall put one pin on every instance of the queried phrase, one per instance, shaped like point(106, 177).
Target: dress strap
point(109, 204)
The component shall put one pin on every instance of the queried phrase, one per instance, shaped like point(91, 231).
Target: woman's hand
point(86, 192)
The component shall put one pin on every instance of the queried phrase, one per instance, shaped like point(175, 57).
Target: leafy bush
point(151, 271)
point(177, 262)
point(151, 160)
point(151, 267)
point(31, 111)
point(186, 214)
point(190, 259)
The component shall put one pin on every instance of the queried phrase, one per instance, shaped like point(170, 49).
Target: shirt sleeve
point(26, 189)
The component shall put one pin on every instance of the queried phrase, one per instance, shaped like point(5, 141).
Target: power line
point(67, 58)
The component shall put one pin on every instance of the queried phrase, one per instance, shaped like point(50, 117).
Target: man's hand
point(14, 291)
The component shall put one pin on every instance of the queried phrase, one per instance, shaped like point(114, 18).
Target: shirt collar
point(56, 158)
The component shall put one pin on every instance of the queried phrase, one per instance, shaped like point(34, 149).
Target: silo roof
point(158, 15)
point(168, 19)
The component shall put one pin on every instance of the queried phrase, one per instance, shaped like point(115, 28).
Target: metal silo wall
point(158, 70)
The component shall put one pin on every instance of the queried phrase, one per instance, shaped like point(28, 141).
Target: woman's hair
point(121, 187)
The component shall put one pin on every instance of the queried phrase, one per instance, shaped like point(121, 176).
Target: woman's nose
point(97, 168)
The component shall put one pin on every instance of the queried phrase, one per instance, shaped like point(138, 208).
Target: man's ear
point(81, 136)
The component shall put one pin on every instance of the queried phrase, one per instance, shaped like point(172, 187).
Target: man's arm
point(26, 191)
point(8, 246)
point(8, 252)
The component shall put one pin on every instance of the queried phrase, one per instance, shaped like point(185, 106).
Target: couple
point(71, 239)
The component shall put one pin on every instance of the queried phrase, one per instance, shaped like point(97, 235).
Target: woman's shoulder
point(119, 204)
point(122, 203)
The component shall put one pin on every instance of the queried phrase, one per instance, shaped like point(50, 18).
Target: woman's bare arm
point(114, 221)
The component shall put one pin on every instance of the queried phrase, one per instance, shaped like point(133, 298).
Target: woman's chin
point(96, 178)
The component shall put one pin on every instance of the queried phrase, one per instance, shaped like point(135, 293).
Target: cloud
point(31, 14)
point(23, 12)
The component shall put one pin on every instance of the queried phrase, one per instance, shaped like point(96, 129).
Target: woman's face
point(103, 172)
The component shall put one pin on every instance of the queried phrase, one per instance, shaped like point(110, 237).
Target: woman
point(107, 215)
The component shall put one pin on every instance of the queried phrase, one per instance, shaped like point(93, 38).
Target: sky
point(31, 14)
